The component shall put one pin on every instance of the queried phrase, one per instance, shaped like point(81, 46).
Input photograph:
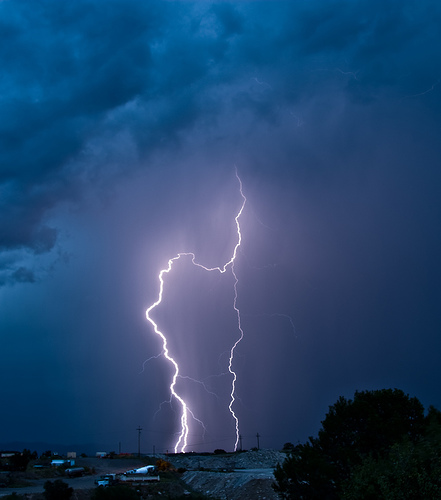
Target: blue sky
point(122, 125)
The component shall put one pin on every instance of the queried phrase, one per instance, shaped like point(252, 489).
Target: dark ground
point(230, 476)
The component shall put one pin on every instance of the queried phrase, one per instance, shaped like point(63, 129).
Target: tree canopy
point(361, 447)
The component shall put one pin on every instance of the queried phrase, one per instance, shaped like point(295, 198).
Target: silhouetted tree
point(305, 473)
point(20, 460)
point(354, 431)
point(411, 470)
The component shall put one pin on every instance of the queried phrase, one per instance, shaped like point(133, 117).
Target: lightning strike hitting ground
point(182, 441)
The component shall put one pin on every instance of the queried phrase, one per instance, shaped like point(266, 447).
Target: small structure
point(57, 462)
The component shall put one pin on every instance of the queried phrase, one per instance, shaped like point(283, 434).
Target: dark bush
point(57, 490)
point(118, 492)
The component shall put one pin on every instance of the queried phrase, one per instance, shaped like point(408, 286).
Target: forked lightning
point(182, 441)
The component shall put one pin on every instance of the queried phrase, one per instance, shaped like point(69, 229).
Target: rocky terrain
point(254, 459)
point(240, 476)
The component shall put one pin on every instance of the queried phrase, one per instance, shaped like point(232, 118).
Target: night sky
point(122, 124)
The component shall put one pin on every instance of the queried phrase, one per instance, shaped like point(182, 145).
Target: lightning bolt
point(182, 441)
point(233, 348)
point(149, 359)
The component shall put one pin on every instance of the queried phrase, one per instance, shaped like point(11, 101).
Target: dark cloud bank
point(121, 125)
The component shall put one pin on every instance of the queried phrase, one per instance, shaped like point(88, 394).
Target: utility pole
point(240, 441)
point(139, 429)
point(258, 436)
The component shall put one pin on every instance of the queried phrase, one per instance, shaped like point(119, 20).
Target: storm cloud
point(121, 126)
